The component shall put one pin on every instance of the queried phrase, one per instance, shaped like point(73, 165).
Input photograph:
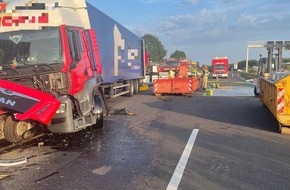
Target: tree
point(252, 62)
point(286, 60)
point(178, 55)
point(154, 47)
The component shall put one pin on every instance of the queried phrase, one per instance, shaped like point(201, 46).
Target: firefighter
point(172, 73)
point(205, 74)
point(194, 71)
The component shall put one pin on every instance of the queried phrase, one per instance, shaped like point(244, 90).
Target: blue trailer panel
point(121, 51)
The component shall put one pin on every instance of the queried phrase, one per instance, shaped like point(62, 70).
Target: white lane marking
point(178, 172)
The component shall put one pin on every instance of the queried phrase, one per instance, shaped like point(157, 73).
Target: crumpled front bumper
point(27, 103)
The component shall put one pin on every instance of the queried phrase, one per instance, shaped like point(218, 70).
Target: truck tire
point(136, 86)
point(14, 130)
point(98, 112)
point(131, 88)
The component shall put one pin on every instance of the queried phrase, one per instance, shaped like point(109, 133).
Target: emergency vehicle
point(220, 67)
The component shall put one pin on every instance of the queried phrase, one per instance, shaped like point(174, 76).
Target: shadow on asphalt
point(245, 111)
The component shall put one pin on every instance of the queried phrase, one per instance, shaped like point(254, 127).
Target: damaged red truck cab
point(51, 76)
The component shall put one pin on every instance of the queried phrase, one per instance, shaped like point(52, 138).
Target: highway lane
point(236, 146)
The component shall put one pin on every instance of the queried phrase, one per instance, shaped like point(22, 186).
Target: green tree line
point(157, 53)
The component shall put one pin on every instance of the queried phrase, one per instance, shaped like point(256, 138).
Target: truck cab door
point(79, 60)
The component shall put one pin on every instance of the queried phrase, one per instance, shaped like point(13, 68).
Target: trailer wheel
point(98, 112)
point(14, 130)
point(131, 88)
point(136, 86)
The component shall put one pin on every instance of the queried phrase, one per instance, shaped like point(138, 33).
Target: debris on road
point(102, 170)
point(40, 144)
point(13, 162)
point(215, 85)
point(123, 111)
point(4, 176)
point(143, 87)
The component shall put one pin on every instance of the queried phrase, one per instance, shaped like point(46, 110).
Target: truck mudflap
point(27, 103)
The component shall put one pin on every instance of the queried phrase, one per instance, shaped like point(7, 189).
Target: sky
point(205, 29)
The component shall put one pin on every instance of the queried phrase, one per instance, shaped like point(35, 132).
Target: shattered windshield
point(32, 47)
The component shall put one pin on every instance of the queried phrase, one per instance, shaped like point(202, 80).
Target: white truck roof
point(220, 57)
point(35, 14)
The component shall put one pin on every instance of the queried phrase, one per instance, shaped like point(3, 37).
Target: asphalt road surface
point(225, 141)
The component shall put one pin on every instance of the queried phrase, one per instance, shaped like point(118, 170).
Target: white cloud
point(206, 29)
point(203, 12)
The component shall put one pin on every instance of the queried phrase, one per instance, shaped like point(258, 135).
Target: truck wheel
point(131, 88)
point(98, 112)
point(14, 130)
point(136, 86)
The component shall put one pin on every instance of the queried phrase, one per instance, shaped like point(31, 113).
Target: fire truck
point(59, 62)
point(220, 67)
